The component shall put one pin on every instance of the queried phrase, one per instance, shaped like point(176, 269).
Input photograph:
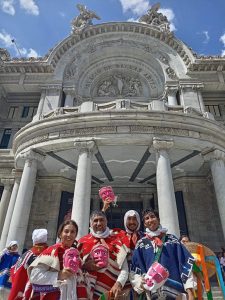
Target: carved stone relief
point(70, 70)
point(126, 77)
point(120, 85)
point(171, 73)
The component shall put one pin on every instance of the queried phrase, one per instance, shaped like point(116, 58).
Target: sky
point(36, 26)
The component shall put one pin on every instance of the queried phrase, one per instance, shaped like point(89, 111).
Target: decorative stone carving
point(120, 85)
point(154, 18)
point(171, 90)
point(70, 70)
point(84, 19)
point(214, 155)
point(30, 155)
point(193, 111)
point(162, 144)
point(4, 54)
point(171, 73)
point(7, 182)
point(86, 146)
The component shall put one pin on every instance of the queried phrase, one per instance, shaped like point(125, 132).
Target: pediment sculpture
point(155, 18)
point(120, 85)
point(84, 19)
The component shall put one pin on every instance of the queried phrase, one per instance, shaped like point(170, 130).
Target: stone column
point(171, 92)
point(70, 94)
point(165, 188)
point(21, 212)
point(40, 105)
point(5, 200)
point(190, 96)
point(82, 191)
point(198, 89)
point(8, 218)
point(216, 159)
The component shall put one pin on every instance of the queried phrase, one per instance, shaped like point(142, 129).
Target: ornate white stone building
point(123, 104)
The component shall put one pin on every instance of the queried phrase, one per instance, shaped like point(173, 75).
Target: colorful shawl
point(174, 257)
point(102, 282)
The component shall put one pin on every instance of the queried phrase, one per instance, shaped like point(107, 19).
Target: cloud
point(168, 12)
point(222, 39)
point(6, 41)
point(26, 53)
point(32, 53)
point(30, 7)
point(207, 37)
point(7, 7)
point(137, 7)
point(132, 20)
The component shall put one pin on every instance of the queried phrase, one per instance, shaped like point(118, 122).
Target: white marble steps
point(217, 293)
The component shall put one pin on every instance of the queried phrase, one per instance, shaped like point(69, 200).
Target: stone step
point(216, 292)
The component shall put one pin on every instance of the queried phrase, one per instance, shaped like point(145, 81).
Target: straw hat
point(192, 247)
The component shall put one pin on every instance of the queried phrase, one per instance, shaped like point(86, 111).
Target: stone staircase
point(216, 292)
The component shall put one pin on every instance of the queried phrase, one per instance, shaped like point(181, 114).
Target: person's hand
point(90, 265)
point(190, 294)
point(65, 274)
point(106, 204)
point(116, 289)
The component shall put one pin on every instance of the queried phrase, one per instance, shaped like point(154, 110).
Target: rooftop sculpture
point(155, 18)
point(84, 19)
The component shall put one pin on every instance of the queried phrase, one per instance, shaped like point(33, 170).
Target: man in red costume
point(21, 287)
point(113, 276)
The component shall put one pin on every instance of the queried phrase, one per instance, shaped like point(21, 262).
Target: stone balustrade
point(126, 104)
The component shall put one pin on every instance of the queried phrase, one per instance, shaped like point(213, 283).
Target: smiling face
point(98, 224)
point(151, 221)
point(13, 248)
point(68, 235)
point(132, 223)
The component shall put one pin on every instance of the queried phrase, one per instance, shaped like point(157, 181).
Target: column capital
point(30, 155)
point(214, 155)
point(69, 90)
point(192, 86)
point(162, 144)
point(86, 146)
point(7, 182)
point(171, 90)
point(54, 86)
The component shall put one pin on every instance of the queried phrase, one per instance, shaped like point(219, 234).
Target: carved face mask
point(71, 259)
point(155, 277)
point(106, 193)
point(100, 254)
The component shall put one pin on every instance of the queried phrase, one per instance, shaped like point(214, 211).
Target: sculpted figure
point(106, 89)
point(153, 17)
point(84, 19)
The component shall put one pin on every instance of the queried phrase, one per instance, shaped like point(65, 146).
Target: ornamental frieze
point(159, 130)
point(88, 131)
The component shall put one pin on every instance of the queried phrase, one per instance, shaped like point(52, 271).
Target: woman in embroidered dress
point(158, 246)
point(47, 273)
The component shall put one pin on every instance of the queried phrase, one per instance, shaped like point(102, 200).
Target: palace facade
point(124, 104)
